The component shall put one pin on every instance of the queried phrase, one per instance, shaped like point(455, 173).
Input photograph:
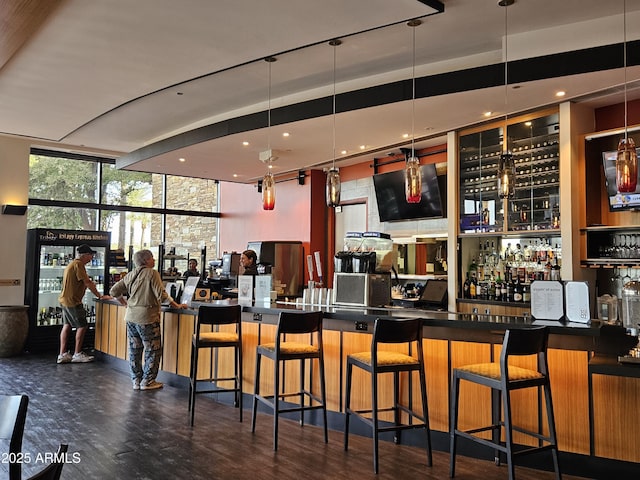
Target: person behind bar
point(145, 293)
point(75, 282)
point(193, 269)
point(248, 260)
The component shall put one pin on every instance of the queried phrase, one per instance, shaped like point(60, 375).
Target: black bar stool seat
point(504, 378)
point(210, 318)
point(281, 351)
point(377, 362)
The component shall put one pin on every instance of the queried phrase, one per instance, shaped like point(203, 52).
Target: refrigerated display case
point(49, 251)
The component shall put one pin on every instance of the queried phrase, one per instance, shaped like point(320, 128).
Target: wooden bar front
point(610, 434)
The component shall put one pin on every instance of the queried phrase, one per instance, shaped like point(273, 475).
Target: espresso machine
point(284, 261)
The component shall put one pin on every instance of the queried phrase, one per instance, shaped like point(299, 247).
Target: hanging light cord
point(624, 52)
point(413, 92)
point(335, 45)
point(269, 60)
point(506, 80)
point(269, 112)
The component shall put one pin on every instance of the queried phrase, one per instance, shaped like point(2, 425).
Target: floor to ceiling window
point(141, 210)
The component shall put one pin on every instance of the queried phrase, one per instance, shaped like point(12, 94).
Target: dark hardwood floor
point(118, 433)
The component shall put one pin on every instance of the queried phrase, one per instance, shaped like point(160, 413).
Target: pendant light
point(627, 159)
point(268, 182)
point(506, 165)
point(412, 173)
point(333, 175)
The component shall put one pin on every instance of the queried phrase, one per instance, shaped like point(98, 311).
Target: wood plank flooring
point(118, 433)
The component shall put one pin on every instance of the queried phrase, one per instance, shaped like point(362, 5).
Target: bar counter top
point(432, 318)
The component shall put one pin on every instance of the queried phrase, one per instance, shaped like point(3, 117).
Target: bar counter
point(595, 408)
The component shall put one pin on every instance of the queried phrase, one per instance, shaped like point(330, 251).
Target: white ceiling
point(117, 76)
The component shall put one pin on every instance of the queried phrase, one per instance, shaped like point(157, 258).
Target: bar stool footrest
point(483, 441)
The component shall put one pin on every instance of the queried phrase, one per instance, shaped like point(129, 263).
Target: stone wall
point(186, 233)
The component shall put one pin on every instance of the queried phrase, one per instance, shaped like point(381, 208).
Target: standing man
point(145, 292)
point(75, 282)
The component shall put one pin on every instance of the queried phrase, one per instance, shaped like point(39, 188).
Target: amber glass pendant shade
point(506, 176)
point(413, 180)
point(333, 187)
point(626, 166)
point(268, 192)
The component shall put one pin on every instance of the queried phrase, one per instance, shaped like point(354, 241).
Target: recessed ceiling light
point(343, 152)
point(405, 135)
point(181, 160)
point(362, 147)
point(285, 134)
point(561, 93)
point(487, 114)
point(235, 175)
point(245, 143)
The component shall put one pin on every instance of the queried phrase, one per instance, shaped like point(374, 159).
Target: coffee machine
point(283, 260)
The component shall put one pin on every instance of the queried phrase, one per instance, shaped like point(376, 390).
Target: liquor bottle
point(498, 293)
point(526, 292)
point(483, 289)
point(465, 287)
point(504, 289)
point(473, 267)
point(510, 287)
point(491, 293)
point(472, 286)
point(517, 291)
point(480, 264)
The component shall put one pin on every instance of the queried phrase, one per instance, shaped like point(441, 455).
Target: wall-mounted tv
point(390, 196)
point(618, 201)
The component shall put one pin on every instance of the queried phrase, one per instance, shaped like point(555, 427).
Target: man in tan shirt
point(75, 282)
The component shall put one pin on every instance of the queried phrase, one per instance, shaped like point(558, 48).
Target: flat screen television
point(618, 201)
point(390, 196)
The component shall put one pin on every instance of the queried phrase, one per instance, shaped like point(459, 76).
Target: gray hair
point(141, 256)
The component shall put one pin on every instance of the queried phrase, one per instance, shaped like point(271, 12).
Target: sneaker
point(64, 358)
point(81, 358)
point(152, 385)
point(136, 384)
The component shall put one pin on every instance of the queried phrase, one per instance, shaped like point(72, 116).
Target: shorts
point(74, 316)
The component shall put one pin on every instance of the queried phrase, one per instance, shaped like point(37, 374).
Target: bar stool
point(282, 351)
point(377, 362)
point(503, 379)
point(210, 316)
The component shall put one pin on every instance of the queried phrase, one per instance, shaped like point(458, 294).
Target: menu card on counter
point(547, 300)
point(263, 290)
point(189, 290)
point(245, 290)
point(577, 300)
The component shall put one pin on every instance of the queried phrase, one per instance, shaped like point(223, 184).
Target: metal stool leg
point(453, 424)
point(508, 432)
point(425, 413)
point(347, 405)
point(374, 417)
point(323, 396)
point(256, 392)
point(276, 400)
